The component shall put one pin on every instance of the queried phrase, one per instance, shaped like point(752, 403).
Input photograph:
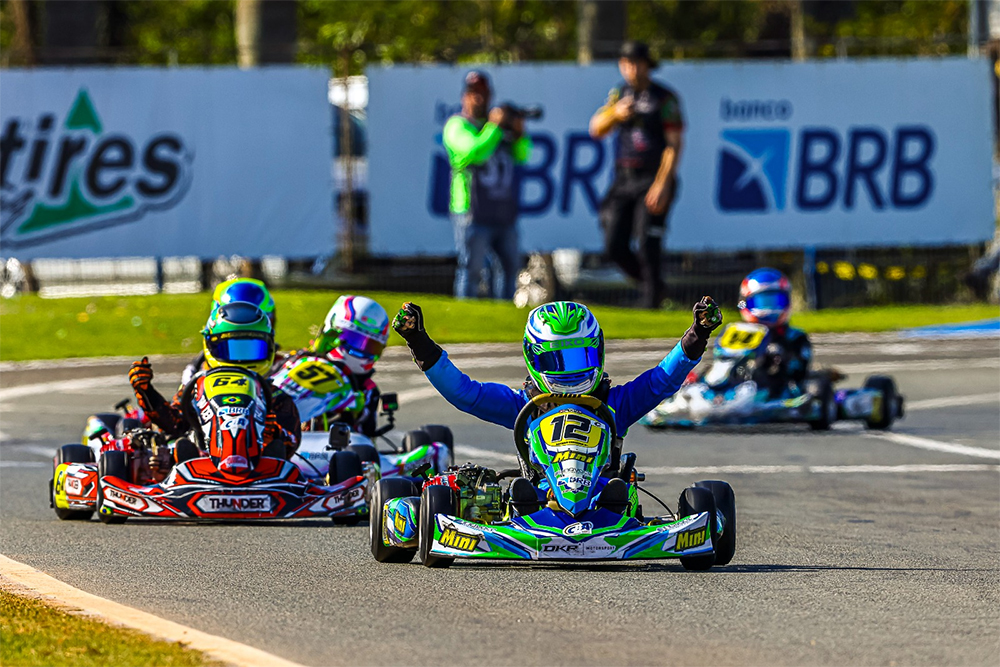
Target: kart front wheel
point(891, 402)
point(413, 440)
point(112, 464)
point(827, 404)
point(385, 490)
point(436, 499)
point(725, 503)
point(695, 500)
point(344, 465)
point(70, 454)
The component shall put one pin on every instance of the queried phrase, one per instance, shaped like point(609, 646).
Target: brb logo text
point(763, 170)
point(65, 178)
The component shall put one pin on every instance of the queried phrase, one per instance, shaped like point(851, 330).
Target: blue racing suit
point(499, 404)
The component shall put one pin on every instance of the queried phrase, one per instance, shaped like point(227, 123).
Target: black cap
point(637, 51)
point(477, 81)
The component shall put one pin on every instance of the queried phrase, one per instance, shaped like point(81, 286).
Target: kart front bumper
point(457, 538)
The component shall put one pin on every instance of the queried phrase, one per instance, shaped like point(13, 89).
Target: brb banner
point(166, 162)
point(859, 153)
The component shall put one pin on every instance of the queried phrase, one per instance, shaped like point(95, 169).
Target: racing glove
point(707, 318)
point(140, 375)
point(409, 323)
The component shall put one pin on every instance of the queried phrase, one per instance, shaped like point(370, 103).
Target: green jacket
point(470, 146)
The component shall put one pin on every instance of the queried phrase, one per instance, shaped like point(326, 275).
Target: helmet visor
point(571, 360)
point(774, 301)
point(351, 342)
point(245, 292)
point(239, 350)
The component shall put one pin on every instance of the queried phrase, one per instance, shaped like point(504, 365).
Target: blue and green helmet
point(564, 348)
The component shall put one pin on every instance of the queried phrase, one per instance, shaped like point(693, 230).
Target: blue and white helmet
point(564, 348)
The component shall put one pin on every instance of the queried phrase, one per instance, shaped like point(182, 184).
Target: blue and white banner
point(776, 155)
point(180, 161)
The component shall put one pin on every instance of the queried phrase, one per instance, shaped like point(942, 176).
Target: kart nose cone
point(234, 465)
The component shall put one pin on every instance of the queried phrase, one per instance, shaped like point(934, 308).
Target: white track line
point(24, 464)
point(951, 402)
point(63, 594)
point(936, 445)
point(490, 455)
point(81, 384)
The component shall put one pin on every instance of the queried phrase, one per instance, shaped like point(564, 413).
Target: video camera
point(534, 112)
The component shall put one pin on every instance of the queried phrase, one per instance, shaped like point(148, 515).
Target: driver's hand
point(409, 321)
point(140, 375)
point(707, 316)
point(272, 429)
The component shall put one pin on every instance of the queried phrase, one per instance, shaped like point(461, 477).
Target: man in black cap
point(483, 151)
point(650, 128)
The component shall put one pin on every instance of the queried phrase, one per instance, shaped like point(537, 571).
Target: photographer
point(648, 118)
point(484, 191)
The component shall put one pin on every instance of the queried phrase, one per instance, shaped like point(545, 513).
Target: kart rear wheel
point(695, 500)
point(725, 503)
point(823, 393)
point(437, 499)
point(386, 490)
point(70, 454)
point(413, 440)
point(366, 453)
point(112, 464)
point(440, 433)
point(891, 401)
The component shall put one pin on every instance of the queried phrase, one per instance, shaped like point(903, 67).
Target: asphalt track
point(852, 549)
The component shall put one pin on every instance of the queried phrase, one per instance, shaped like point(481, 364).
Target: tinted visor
point(245, 292)
point(768, 301)
point(239, 350)
point(353, 343)
point(571, 360)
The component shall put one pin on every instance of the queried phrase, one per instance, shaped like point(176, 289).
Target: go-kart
point(729, 393)
point(320, 388)
point(569, 451)
point(237, 480)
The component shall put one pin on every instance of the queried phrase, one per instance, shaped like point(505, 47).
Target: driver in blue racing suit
point(766, 298)
point(564, 354)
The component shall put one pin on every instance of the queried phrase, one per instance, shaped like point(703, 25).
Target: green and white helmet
point(564, 348)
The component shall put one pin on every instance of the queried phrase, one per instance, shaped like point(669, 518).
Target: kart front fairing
point(313, 456)
point(196, 489)
point(594, 535)
point(698, 404)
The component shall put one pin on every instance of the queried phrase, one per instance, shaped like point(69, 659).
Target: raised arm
point(632, 400)
point(490, 401)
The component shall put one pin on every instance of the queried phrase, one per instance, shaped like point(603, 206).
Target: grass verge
point(34, 633)
point(35, 328)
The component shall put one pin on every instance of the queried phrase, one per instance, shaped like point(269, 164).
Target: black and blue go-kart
point(727, 393)
point(574, 497)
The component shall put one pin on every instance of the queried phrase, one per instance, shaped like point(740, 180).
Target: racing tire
point(725, 503)
point(436, 499)
point(413, 440)
point(891, 401)
point(366, 453)
point(185, 450)
point(440, 433)
point(344, 465)
point(112, 464)
point(827, 405)
point(385, 490)
point(695, 500)
point(70, 454)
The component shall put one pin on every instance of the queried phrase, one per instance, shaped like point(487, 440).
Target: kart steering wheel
point(187, 408)
point(534, 406)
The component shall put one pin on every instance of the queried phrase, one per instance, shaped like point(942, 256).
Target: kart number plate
point(218, 384)
point(742, 338)
point(572, 429)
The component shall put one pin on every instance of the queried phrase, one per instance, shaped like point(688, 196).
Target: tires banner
point(165, 162)
point(775, 155)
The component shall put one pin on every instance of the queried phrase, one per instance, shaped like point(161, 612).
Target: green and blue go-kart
point(567, 445)
point(728, 392)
